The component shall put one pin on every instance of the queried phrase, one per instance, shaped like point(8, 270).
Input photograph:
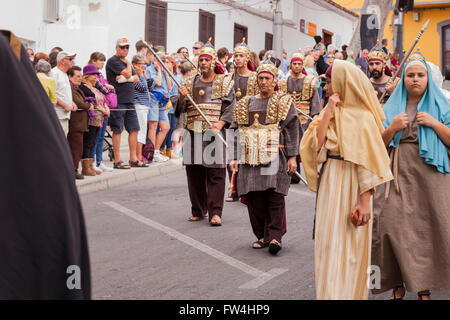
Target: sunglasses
point(195, 48)
point(124, 47)
point(70, 58)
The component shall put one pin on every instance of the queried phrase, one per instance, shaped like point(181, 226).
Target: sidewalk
point(119, 177)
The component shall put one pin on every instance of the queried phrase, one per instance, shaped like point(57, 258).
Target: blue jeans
point(98, 148)
point(173, 124)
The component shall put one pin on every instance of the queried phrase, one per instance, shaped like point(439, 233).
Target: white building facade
point(85, 26)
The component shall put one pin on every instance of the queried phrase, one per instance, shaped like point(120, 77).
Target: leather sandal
point(216, 221)
point(274, 247)
point(259, 244)
point(394, 297)
point(422, 294)
point(194, 218)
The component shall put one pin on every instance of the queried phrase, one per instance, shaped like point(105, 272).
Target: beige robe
point(341, 251)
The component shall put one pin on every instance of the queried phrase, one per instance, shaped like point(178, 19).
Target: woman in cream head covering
point(346, 140)
point(411, 221)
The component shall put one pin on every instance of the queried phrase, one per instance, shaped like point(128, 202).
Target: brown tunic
point(251, 178)
point(240, 85)
point(411, 230)
point(381, 89)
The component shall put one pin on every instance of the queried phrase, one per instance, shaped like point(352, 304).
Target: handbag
point(111, 100)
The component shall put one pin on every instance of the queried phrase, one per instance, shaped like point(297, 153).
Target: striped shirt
point(141, 94)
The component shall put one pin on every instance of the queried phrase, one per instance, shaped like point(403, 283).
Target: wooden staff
point(231, 185)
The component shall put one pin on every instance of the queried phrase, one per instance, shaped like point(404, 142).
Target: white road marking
point(261, 277)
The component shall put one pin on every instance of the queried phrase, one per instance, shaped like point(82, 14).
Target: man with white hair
point(64, 103)
point(351, 56)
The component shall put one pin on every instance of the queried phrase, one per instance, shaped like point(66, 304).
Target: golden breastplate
point(211, 108)
point(259, 142)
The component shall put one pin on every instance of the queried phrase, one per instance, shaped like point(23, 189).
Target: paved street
point(143, 247)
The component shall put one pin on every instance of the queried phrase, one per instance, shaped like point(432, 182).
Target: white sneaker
point(105, 168)
point(158, 157)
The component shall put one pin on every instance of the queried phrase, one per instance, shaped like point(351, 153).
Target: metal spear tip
point(426, 24)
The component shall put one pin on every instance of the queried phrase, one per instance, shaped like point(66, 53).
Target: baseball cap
point(64, 54)
point(122, 42)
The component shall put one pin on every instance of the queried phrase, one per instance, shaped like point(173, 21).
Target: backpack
point(148, 150)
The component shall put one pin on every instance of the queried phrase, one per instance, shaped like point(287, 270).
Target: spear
point(193, 64)
point(301, 178)
point(304, 114)
point(188, 96)
point(425, 26)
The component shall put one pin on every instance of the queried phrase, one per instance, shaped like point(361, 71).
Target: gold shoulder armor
point(285, 102)
point(252, 85)
point(309, 84)
point(283, 84)
point(227, 84)
point(240, 112)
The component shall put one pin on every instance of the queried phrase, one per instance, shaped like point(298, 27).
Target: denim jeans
point(98, 148)
point(173, 124)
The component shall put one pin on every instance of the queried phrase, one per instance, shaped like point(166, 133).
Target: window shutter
point(239, 33)
point(156, 23)
point(268, 43)
point(206, 26)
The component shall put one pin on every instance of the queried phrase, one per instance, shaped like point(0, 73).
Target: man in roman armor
point(203, 152)
point(303, 91)
point(244, 84)
point(380, 74)
point(268, 144)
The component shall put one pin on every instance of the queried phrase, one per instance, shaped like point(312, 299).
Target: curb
point(109, 180)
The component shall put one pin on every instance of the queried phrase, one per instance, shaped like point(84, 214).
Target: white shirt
point(63, 92)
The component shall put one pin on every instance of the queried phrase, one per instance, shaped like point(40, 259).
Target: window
point(302, 25)
point(206, 26)
point(51, 11)
point(239, 33)
point(445, 49)
point(156, 23)
point(268, 43)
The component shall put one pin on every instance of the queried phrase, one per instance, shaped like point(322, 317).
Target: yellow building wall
point(430, 43)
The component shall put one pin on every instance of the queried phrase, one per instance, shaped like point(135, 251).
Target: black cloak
point(43, 242)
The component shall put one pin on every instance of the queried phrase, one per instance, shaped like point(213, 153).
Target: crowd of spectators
point(137, 94)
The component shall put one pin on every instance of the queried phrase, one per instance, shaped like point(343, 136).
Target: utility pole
point(397, 43)
point(277, 28)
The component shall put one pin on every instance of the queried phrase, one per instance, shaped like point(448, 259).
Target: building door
point(327, 37)
point(446, 49)
point(206, 26)
point(268, 43)
point(239, 33)
point(156, 23)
